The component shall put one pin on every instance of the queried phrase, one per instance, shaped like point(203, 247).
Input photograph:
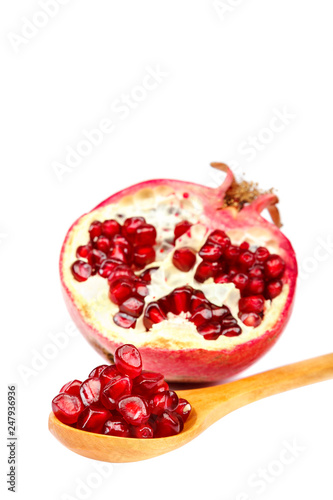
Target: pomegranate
point(122, 400)
point(194, 276)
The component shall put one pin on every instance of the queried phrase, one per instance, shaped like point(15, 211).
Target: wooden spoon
point(208, 405)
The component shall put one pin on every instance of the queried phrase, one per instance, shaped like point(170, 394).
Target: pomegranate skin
point(198, 364)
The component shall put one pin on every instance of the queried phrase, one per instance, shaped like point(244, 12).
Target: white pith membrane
point(164, 208)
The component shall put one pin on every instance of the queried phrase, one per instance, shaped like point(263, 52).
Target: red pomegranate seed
point(83, 251)
point(274, 267)
point(244, 246)
point(184, 259)
point(134, 409)
point(274, 288)
point(198, 298)
point(261, 254)
point(207, 270)
point(202, 315)
point(128, 360)
point(222, 278)
point(130, 227)
point(181, 228)
point(81, 270)
point(211, 252)
point(110, 228)
point(145, 235)
point(116, 426)
point(67, 408)
point(124, 320)
point(210, 331)
point(121, 253)
point(146, 275)
point(72, 388)
point(132, 306)
point(232, 253)
point(228, 322)
point(254, 303)
point(119, 386)
point(220, 238)
point(232, 331)
point(96, 257)
point(95, 230)
point(97, 372)
point(93, 418)
point(256, 286)
point(147, 383)
point(107, 267)
point(121, 271)
point(153, 314)
point(90, 391)
point(240, 281)
point(143, 431)
point(108, 374)
point(219, 312)
point(140, 289)
point(168, 424)
point(256, 272)
point(163, 387)
point(246, 260)
point(183, 409)
point(103, 244)
point(143, 256)
point(162, 401)
point(250, 319)
point(180, 299)
point(120, 290)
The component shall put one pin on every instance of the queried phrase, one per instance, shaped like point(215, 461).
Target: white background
point(227, 74)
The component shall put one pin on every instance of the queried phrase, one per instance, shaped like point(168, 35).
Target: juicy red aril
point(90, 391)
point(184, 259)
point(143, 431)
point(81, 270)
point(222, 278)
point(96, 257)
point(198, 298)
point(244, 246)
point(95, 230)
point(207, 270)
point(128, 360)
point(181, 228)
point(67, 408)
point(201, 315)
point(232, 331)
point(109, 373)
point(72, 388)
point(147, 383)
point(116, 426)
point(134, 409)
point(220, 238)
point(121, 271)
point(119, 386)
point(130, 227)
point(183, 409)
point(120, 290)
point(153, 314)
point(210, 331)
point(140, 289)
point(121, 253)
point(96, 372)
point(219, 312)
point(124, 320)
point(83, 251)
point(103, 243)
point(162, 401)
point(143, 256)
point(120, 240)
point(180, 299)
point(250, 319)
point(232, 253)
point(256, 286)
point(132, 306)
point(240, 281)
point(168, 424)
point(145, 235)
point(256, 271)
point(274, 267)
point(246, 259)
point(228, 321)
point(261, 254)
point(110, 228)
point(274, 288)
point(93, 418)
point(163, 387)
point(146, 275)
point(107, 267)
point(254, 303)
point(210, 252)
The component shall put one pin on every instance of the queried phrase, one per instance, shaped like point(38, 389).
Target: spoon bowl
point(208, 405)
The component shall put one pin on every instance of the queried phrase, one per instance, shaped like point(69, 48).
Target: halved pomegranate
point(193, 276)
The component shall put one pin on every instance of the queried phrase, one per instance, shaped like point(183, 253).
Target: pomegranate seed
point(145, 235)
point(210, 331)
point(124, 320)
point(130, 227)
point(256, 286)
point(254, 303)
point(201, 315)
point(83, 251)
point(140, 289)
point(121, 253)
point(219, 312)
point(116, 426)
point(211, 252)
point(220, 238)
point(153, 314)
point(96, 257)
point(183, 409)
point(168, 424)
point(222, 278)
point(103, 244)
point(207, 270)
point(147, 383)
point(72, 388)
point(110, 228)
point(232, 331)
point(181, 228)
point(256, 272)
point(95, 230)
point(250, 319)
point(240, 281)
point(244, 246)
point(228, 321)
point(198, 298)
point(93, 418)
point(180, 300)
point(132, 306)
point(121, 271)
point(274, 267)
point(128, 360)
point(121, 241)
point(119, 386)
point(120, 290)
point(246, 259)
point(108, 374)
point(134, 409)
point(146, 275)
point(81, 270)
point(261, 254)
point(163, 387)
point(143, 256)
point(97, 372)
point(232, 253)
point(90, 391)
point(67, 408)
point(107, 267)
point(162, 401)
point(143, 431)
point(184, 259)
point(274, 288)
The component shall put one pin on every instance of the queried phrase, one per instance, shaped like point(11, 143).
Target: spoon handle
point(220, 400)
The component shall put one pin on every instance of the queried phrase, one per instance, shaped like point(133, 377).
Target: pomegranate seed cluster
point(122, 400)
point(116, 252)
